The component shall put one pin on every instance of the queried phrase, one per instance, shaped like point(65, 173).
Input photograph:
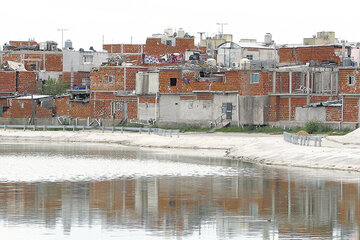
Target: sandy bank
point(342, 153)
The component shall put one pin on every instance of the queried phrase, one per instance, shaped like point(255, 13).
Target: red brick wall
point(351, 109)
point(305, 54)
point(54, 62)
point(80, 110)
point(185, 98)
point(153, 46)
point(27, 82)
point(204, 96)
point(316, 99)
point(333, 114)
point(284, 109)
point(12, 57)
point(15, 111)
point(101, 105)
point(22, 43)
point(274, 107)
point(62, 106)
point(98, 83)
point(147, 99)
point(231, 83)
point(8, 82)
point(78, 76)
point(253, 89)
point(36, 59)
point(295, 102)
point(344, 87)
point(127, 48)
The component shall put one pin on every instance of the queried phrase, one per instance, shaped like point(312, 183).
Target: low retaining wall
point(302, 140)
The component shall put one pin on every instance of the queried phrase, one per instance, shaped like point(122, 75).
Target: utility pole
point(62, 36)
point(222, 28)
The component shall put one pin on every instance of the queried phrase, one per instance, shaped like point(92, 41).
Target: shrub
point(317, 127)
point(312, 127)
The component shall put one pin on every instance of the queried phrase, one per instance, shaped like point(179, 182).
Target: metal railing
point(302, 140)
point(157, 131)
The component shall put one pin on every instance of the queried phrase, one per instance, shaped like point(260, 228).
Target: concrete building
point(212, 43)
point(260, 54)
point(321, 38)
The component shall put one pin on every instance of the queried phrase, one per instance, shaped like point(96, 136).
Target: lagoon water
point(72, 191)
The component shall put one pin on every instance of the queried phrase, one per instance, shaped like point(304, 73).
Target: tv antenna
point(62, 36)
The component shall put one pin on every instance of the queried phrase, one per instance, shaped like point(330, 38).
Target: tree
point(54, 87)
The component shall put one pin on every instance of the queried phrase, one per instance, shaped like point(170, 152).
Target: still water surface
point(71, 191)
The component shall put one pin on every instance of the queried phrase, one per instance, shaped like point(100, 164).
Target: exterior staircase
point(220, 122)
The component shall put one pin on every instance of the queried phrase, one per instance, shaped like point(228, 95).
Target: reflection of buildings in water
point(238, 205)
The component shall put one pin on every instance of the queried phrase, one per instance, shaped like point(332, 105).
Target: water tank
point(211, 61)
point(181, 33)
point(169, 32)
point(244, 64)
point(68, 44)
point(268, 38)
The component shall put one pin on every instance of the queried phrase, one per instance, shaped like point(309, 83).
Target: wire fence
point(157, 131)
point(302, 140)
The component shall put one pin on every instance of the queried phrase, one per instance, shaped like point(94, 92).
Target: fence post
point(149, 130)
point(113, 128)
point(24, 128)
point(170, 133)
point(34, 127)
point(103, 128)
point(44, 128)
point(4, 127)
point(319, 142)
point(178, 132)
point(140, 130)
point(122, 129)
point(83, 128)
point(63, 128)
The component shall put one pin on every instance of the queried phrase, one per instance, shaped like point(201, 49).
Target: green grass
point(252, 129)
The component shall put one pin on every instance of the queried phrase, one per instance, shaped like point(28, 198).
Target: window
point(119, 106)
point(172, 81)
point(254, 78)
point(88, 59)
point(250, 57)
point(108, 79)
point(351, 80)
point(169, 42)
point(21, 105)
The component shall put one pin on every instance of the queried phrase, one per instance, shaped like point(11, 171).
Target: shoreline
point(336, 153)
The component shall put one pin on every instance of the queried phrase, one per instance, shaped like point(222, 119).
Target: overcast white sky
point(117, 20)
